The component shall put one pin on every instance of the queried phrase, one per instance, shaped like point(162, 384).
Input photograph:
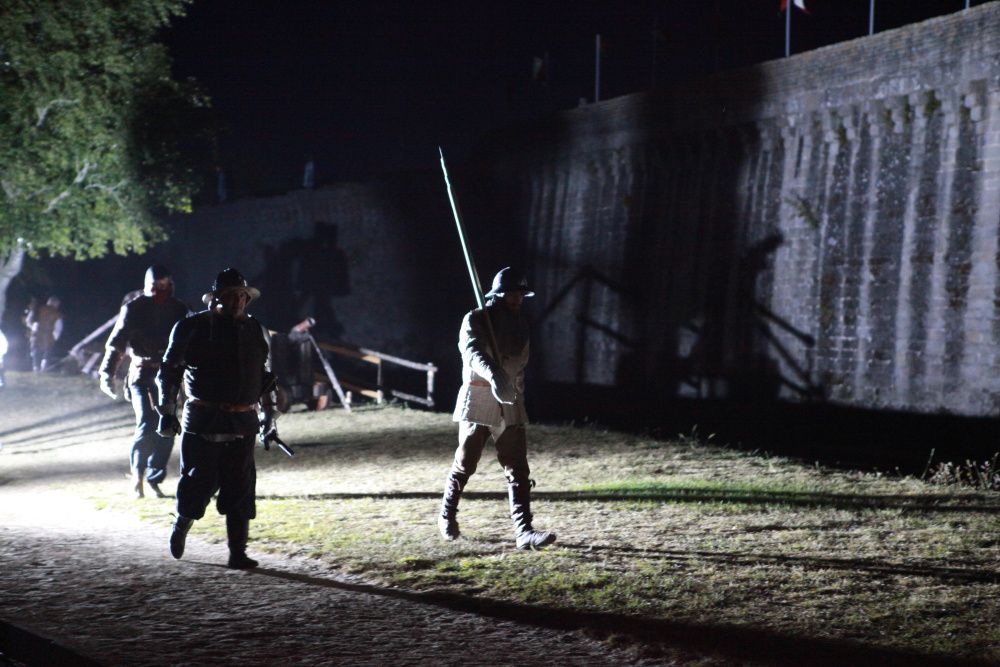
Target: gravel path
point(103, 585)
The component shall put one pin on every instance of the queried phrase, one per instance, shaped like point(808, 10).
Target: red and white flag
point(801, 4)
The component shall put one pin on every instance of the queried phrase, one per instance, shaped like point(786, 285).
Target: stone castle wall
point(820, 226)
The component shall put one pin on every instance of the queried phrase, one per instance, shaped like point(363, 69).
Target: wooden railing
point(379, 359)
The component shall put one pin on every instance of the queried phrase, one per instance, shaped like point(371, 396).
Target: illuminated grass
point(671, 530)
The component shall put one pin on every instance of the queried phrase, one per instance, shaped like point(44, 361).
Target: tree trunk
point(10, 266)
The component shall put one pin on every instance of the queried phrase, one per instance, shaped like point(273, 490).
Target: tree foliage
point(92, 126)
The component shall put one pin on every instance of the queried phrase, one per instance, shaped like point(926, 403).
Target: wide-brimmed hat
point(229, 279)
point(509, 280)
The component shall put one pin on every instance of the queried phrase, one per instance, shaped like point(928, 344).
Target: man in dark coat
point(223, 356)
point(142, 330)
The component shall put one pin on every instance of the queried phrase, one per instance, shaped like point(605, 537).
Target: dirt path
point(103, 585)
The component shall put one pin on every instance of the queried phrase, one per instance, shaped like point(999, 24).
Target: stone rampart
point(823, 226)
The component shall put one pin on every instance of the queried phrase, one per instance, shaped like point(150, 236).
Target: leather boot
point(178, 536)
point(447, 519)
point(238, 531)
point(525, 536)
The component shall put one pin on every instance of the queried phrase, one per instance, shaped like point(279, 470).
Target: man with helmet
point(223, 356)
point(142, 330)
point(491, 406)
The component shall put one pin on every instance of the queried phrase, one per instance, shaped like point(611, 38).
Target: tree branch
point(10, 265)
point(110, 190)
point(43, 112)
point(9, 189)
point(80, 175)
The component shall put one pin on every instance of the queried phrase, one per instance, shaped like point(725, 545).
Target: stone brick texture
point(822, 227)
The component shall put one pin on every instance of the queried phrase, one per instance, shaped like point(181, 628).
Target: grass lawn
point(664, 543)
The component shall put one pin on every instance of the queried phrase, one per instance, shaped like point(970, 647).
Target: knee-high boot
point(238, 532)
point(526, 537)
point(447, 519)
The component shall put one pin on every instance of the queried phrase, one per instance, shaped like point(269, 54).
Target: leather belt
point(225, 407)
point(479, 383)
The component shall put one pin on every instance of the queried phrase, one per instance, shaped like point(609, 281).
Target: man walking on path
point(142, 330)
point(223, 356)
point(491, 406)
point(45, 325)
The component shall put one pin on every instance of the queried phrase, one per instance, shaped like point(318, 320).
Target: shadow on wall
point(302, 278)
point(680, 306)
point(708, 357)
point(726, 351)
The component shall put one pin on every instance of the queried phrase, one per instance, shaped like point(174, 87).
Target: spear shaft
point(477, 286)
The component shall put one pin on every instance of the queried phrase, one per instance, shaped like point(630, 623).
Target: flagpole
point(871, 17)
point(597, 68)
point(788, 28)
point(656, 39)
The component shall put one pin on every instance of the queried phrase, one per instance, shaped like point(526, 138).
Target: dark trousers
point(39, 355)
point(511, 446)
point(226, 467)
point(150, 450)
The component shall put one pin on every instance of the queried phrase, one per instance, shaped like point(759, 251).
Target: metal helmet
point(229, 279)
point(509, 280)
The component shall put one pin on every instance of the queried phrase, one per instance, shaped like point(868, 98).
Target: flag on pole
point(783, 7)
point(801, 4)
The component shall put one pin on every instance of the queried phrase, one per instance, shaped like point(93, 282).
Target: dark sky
point(371, 87)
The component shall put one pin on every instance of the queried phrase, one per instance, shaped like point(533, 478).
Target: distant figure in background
point(223, 356)
point(45, 325)
point(142, 330)
point(491, 406)
point(3, 353)
point(309, 174)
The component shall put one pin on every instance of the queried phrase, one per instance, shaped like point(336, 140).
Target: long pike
point(477, 286)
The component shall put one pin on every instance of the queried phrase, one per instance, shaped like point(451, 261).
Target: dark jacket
point(144, 326)
point(224, 362)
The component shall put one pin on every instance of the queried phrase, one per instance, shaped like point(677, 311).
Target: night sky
point(368, 88)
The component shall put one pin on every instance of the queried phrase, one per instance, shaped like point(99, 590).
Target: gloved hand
point(107, 384)
point(502, 388)
point(168, 426)
point(268, 429)
point(267, 438)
